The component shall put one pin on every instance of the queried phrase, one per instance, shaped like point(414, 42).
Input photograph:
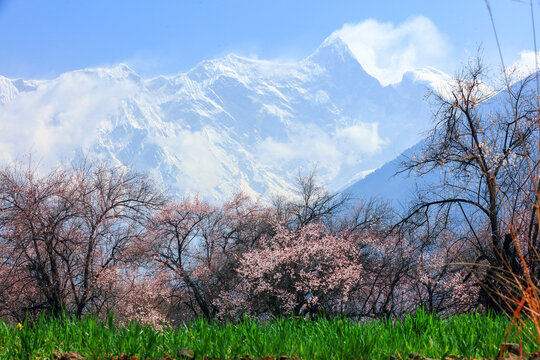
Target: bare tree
point(312, 203)
point(482, 147)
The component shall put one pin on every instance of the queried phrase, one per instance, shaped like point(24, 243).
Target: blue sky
point(41, 39)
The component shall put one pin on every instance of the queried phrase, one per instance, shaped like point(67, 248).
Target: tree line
point(92, 238)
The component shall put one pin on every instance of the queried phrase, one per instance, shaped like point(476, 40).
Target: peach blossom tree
point(65, 234)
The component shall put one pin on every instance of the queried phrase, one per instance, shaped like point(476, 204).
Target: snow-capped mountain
point(228, 124)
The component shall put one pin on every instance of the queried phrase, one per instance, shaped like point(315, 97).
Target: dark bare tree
point(483, 145)
point(312, 202)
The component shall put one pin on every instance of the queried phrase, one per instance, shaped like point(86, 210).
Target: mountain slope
point(392, 184)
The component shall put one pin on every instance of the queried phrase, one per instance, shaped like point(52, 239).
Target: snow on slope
point(391, 184)
point(228, 124)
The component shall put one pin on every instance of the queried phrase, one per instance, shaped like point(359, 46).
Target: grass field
point(471, 336)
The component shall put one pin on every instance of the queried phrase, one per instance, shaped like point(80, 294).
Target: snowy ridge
point(229, 124)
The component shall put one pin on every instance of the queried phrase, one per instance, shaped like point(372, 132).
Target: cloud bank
point(387, 51)
point(58, 117)
point(525, 64)
point(330, 151)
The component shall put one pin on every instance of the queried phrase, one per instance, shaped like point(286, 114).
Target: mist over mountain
point(228, 124)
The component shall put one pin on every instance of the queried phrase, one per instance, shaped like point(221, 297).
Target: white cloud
point(329, 151)
point(58, 117)
point(310, 144)
point(526, 64)
point(362, 138)
point(387, 51)
point(202, 160)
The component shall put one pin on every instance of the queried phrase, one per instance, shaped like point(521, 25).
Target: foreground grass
point(472, 336)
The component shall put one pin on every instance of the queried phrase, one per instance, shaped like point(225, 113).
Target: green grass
point(466, 335)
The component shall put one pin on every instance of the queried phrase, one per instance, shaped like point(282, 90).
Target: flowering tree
point(174, 236)
point(198, 245)
point(439, 279)
point(139, 295)
point(355, 265)
point(63, 233)
point(295, 272)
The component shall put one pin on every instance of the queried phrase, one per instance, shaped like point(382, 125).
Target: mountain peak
point(117, 72)
point(336, 57)
point(333, 48)
point(123, 67)
point(435, 79)
point(122, 70)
